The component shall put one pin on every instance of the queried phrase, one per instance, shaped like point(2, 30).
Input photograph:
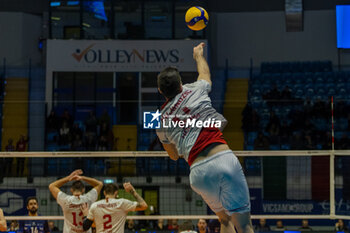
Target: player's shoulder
point(197, 84)
point(94, 205)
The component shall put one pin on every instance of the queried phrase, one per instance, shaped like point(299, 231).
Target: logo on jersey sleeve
point(151, 120)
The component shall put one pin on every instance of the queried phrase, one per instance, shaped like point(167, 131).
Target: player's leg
point(226, 224)
point(234, 194)
point(242, 222)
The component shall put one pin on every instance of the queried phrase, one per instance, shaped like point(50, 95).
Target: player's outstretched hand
point(198, 50)
point(128, 187)
point(85, 209)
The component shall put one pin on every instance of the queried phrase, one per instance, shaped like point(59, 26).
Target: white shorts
point(220, 181)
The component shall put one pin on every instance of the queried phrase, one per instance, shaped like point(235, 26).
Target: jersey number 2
point(106, 224)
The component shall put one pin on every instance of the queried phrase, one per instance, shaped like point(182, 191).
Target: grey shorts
point(220, 181)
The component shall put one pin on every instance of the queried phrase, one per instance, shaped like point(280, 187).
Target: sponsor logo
point(155, 120)
point(151, 120)
point(123, 56)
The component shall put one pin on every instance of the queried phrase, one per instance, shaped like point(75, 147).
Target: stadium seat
point(52, 136)
point(275, 147)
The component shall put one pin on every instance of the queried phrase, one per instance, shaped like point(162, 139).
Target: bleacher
point(312, 82)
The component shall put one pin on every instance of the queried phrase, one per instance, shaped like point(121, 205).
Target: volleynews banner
point(121, 55)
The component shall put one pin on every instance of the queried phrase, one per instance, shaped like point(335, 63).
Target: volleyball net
point(282, 184)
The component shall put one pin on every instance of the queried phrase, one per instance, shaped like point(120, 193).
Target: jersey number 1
point(75, 218)
point(106, 224)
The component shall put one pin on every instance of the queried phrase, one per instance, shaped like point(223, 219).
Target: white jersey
point(191, 106)
point(73, 216)
point(110, 216)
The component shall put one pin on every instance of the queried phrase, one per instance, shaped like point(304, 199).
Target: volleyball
point(196, 18)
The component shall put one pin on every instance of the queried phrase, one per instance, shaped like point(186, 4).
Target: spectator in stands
point(319, 109)
point(297, 141)
point(327, 143)
point(308, 127)
point(172, 224)
point(286, 95)
point(91, 124)
point(279, 226)
point(308, 107)
point(90, 143)
point(298, 117)
point(105, 119)
point(202, 226)
point(250, 119)
point(66, 117)
point(340, 226)
point(186, 227)
point(8, 161)
point(274, 134)
point(64, 134)
point(340, 109)
point(3, 226)
point(214, 226)
point(273, 120)
point(52, 226)
point(77, 144)
point(130, 225)
point(107, 133)
point(9, 146)
point(261, 142)
point(285, 133)
point(21, 146)
point(262, 226)
point(273, 96)
point(305, 226)
point(308, 142)
point(14, 226)
point(160, 225)
point(348, 121)
point(52, 122)
point(102, 144)
point(342, 143)
point(76, 131)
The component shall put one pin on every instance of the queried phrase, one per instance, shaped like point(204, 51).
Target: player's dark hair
point(31, 198)
point(110, 189)
point(78, 186)
point(169, 82)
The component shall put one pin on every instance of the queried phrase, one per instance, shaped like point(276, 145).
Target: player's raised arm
point(141, 204)
point(202, 65)
point(172, 151)
point(3, 226)
point(55, 186)
point(96, 184)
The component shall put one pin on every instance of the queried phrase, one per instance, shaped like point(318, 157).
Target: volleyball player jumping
point(216, 173)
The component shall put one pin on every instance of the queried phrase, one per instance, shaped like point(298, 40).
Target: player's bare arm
point(141, 204)
point(55, 186)
point(96, 184)
point(87, 223)
point(2, 221)
point(202, 65)
point(172, 151)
